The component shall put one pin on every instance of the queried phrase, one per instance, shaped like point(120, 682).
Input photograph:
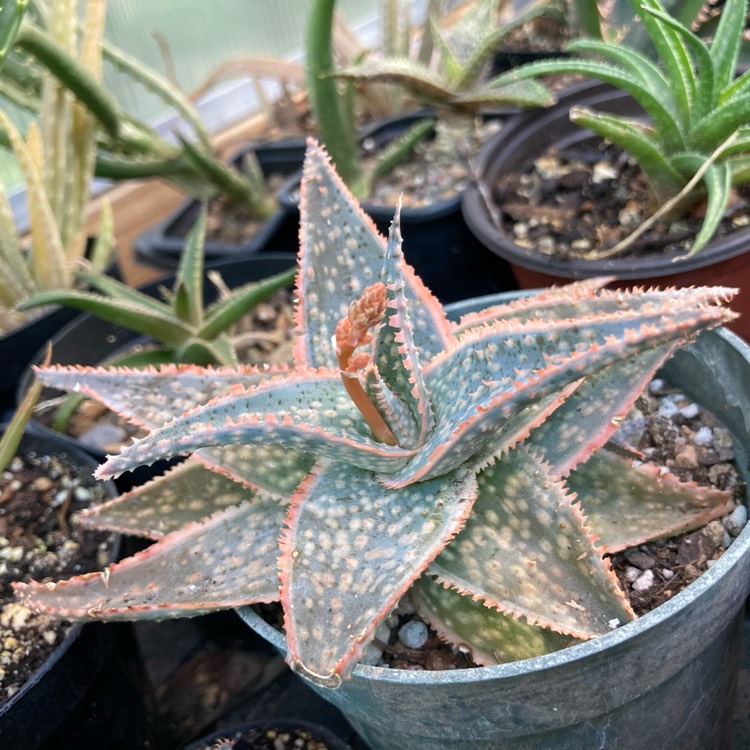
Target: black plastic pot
point(437, 242)
point(721, 262)
point(259, 736)
point(32, 714)
point(162, 245)
point(666, 680)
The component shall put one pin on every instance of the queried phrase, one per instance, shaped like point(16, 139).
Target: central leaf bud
point(353, 331)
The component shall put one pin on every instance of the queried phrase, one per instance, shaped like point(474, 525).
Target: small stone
point(613, 624)
point(413, 634)
point(736, 520)
point(667, 574)
point(668, 408)
point(645, 581)
point(690, 411)
point(704, 436)
point(656, 386)
point(603, 171)
point(727, 540)
point(686, 457)
point(632, 573)
point(640, 559)
point(723, 444)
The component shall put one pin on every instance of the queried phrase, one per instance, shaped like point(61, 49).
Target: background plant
point(398, 453)
point(697, 104)
point(334, 112)
point(127, 147)
point(56, 158)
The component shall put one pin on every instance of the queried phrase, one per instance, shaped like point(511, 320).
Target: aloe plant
point(334, 113)
point(126, 147)
point(56, 158)
point(697, 104)
point(400, 452)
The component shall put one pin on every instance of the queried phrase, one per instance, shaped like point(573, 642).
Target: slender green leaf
point(188, 300)
point(719, 124)
point(725, 48)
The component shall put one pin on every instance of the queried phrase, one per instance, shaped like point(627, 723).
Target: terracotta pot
point(724, 261)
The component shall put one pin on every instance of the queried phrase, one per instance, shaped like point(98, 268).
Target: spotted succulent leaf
point(341, 253)
point(308, 411)
point(226, 561)
point(396, 354)
point(630, 505)
point(495, 638)
point(595, 410)
point(186, 494)
point(527, 550)
point(351, 551)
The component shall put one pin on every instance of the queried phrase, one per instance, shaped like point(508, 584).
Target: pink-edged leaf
point(187, 493)
point(225, 561)
point(491, 637)
point(475, 389)
point(306, 411)
point(586, 298)
point(351, 550)
point(553, 303)
point(629, 504)
point(395, 354)
point(150, 397)
point(527, 550)
point(595, 410)
point(342, 253)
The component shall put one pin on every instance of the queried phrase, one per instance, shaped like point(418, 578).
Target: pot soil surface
point(38, 496)
point(579, 202)
point(669, 430)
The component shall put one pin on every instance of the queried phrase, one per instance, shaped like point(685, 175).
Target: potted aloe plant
point(670, 209)
point(402, 452)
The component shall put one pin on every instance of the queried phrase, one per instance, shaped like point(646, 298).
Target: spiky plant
point(125, 146)
point(400, 452)
point(697, 103)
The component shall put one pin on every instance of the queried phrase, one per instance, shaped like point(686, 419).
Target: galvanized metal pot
point(664, 681)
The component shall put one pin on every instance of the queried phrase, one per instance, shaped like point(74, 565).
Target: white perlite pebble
point(413, 634)
point(736, 520)
point(656, 386)
point(668, 408)
point(704, 436)
point(632, 573)
point(667, 573)
point(613, 624)
point(690, 411)
point(645, 581)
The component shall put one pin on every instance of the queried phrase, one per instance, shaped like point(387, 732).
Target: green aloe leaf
point(169, 502)
point(719, 124)
point(339, 520)
point(495, 638)
point(188, 289)
point(224, 562)
point(725, 48)
point(540, 564)
point(630, 505)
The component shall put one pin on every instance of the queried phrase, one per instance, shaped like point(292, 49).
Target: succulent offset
point(400, 452)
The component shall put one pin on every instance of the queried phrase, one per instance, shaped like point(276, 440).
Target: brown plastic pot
point(724, 261)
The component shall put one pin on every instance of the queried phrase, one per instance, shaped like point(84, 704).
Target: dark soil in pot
point(272, 735)
point(45, 484)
